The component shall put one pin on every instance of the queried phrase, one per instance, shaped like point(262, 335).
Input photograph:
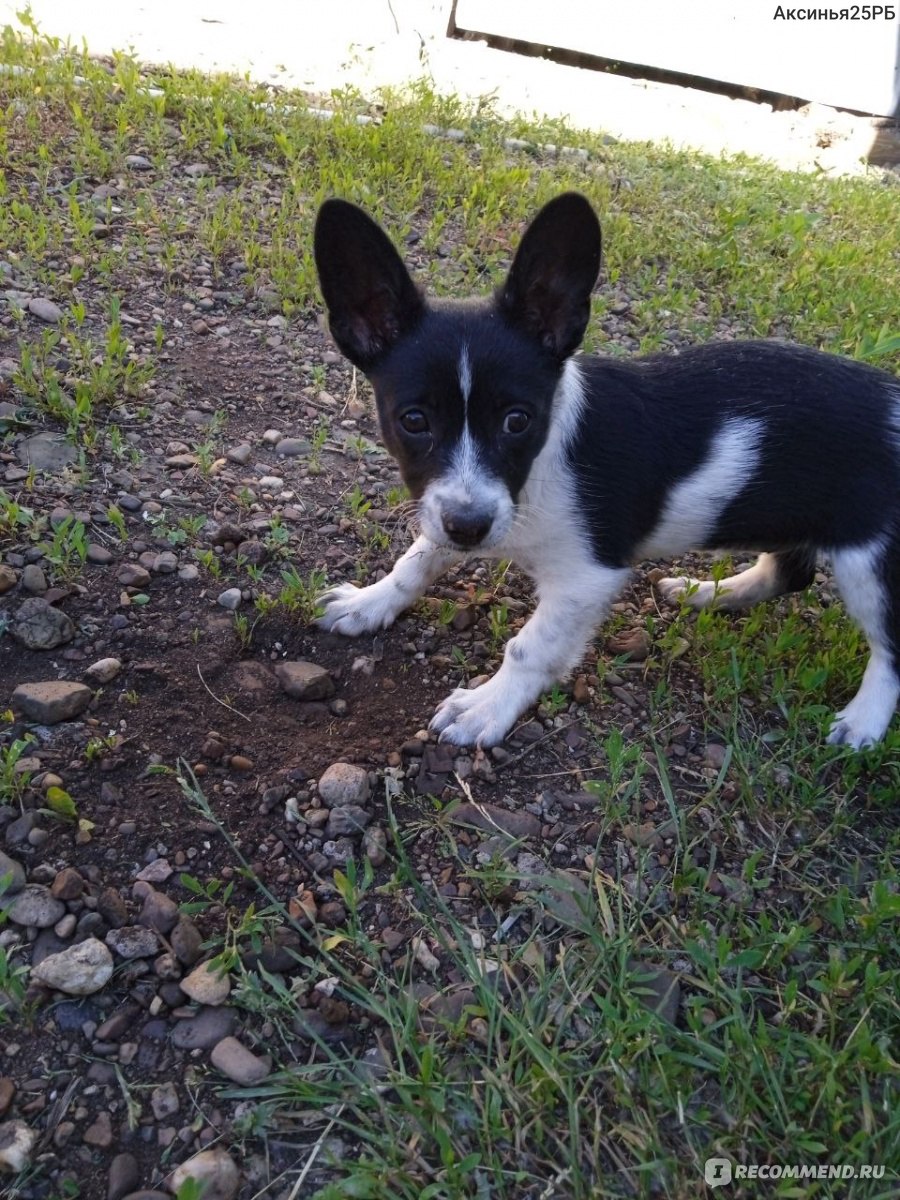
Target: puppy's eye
point(414, 421)
point(516, 421)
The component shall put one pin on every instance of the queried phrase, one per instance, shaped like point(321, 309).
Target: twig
point(314, 1153)
point(224, 704)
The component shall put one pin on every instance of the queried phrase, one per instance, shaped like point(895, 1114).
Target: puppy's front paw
point(475, 716)
point(685, 590)
point(855, 730)
point(351, 610)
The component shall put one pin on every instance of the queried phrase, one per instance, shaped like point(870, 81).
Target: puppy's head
point(464, 390)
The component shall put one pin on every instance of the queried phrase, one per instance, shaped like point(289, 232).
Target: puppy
point(578, 467)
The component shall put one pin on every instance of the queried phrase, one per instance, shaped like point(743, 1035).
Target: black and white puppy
point(576, 468)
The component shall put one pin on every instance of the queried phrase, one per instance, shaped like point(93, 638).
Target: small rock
point(633, 644)
point(7, 1094)
point(159, 912)
point(45, 310)
point(132, 941)
point(8, 578)
point(343, 784)
point(34, 580)
point(206, 985)
point(47, 452)
point(16, 1143)
point(35, 906)
point(646, 834)
point(165, 563)
point(99, 555)
point(203, 1031)
point(186, 941)
point(133, 575)
point(124, 1176)
point(164, 1101)
point(138, 162)
point(230, 599)
point(156, 872)
point(40, 626)
point(494, 819)
point(100, 1133)
point(103, 671)
point(213, 1169)
point(112, 908)
point(346, 820)
point(239, 454)
point(304, 680)
point(714, 755)
point(291, 447)
point(52, 701)
point(237, 1062)
point(79, 970)
point(657, 989)
point(12, 873)
point(374, 845)
point(68, 884)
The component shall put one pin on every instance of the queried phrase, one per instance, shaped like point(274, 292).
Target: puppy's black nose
point(467, 527)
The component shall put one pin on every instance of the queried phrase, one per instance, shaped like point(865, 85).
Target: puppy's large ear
point(547, 292)
point(371, 300)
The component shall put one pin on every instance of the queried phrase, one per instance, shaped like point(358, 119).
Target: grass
point(775, 899)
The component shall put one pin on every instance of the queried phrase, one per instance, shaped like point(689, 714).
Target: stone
point(187, 941)
point(206, 985)
point(34, 580)
point(123, 1177)
point(237, 1062)
point(159, 912)
point(52, 701)
point(205, 1029)
point(230, 599)
point(99, 1133)
point(304, 680)
point(494, 819)
point(68, 884)
point(164, 1100)
point(16, 1143)
point(132, 941)
point(112, 908)
point(37, 625)
point(8, 578)
point(166, 562)
point(347, 821)
point(239, 454)
point(138, 162)
point(214, 1170)
point(99, 555)
point(157, 871)
point(34, 906)
point(7, 1094)
point(78, 971)
point(103, 671)
point(633, 644)
point(12, 875)
point(47, 452)
point(291, 447)
point(343, 784)
point(656, 988)
point(45, 310)
point(133, 575)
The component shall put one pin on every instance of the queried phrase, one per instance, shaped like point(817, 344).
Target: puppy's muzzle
point(467, 527)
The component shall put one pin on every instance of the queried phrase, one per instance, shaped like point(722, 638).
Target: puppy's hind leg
point(771, 575)
point(868, 578)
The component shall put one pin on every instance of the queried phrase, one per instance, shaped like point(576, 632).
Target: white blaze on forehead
point(465, 377)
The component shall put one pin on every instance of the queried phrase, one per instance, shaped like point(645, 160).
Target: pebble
point(45, 310)
point(78, 970)
point(186, 941)
point(132, 941)
point(159, 912)
point(714, 755)
point(103, 671)
point(99, 1133)
point(138, 162)
point(346, 820)
point(34, 905)
point(37, 625)
point(99, 555)
point(633, 644)
point(291, 447)
point(206, 985)
point(111, 907)
point(33, 579)
point(203, 1031)
point(230, 599)
point(494, 819)
point(7, 1094)
point(165, 563)
point(16, 1143)
point(239, 454)
point(133, 575)
point(8, 578)
point(123, 1177)
point(13, 873)
point(343, 784)
point(214, 1170)
point(51, 701)
point(374, 845)
point(47, 452)
point(304, 680)
point(164, 1100)
point(237, 1062)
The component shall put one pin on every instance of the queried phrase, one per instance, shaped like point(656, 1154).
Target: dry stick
point(224, 704)
point(314, 1153)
